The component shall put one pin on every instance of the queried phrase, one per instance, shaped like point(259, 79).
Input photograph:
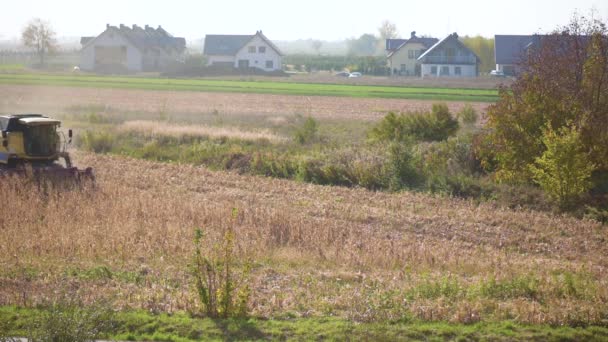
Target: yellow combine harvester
point(32, 146)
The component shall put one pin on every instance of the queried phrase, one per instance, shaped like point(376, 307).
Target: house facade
point(403, 54)
point(131, 49)
point(243, 52)
point(449, 58)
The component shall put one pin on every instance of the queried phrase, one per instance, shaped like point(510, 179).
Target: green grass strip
point(259, 87)
point(142, 326)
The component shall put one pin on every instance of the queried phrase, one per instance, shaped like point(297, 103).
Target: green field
point(12, 67)
point(260, 87)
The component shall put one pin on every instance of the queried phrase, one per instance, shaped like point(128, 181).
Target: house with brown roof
point(243, 51)
point(403, 54)
point(130, 49)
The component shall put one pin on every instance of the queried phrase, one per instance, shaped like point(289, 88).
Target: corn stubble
point(315, 250)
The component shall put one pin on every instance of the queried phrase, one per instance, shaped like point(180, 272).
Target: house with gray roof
point(403, 54)
point(130, 49)
point(243, 52)
point(393, 43)
point(510, 49)
point(449, 57)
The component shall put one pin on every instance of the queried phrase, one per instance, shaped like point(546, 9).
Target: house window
point(411, 54)
point(457, 71)
point(269, 64)
point(251, 49)
point(433, 70)
point(262, 49)
point(403, 69)
point(445, 71)
point(243, 63)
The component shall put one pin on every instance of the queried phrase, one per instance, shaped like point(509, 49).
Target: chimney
point(122, 26)
point(107, 26)
point(134, 26)
point(413, 34)
point(455, 35)
point(147, 27)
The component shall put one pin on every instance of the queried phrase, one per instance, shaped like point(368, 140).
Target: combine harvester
point(32, 146)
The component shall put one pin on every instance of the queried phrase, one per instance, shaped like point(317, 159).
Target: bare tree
point(38, 34)
point(387, 30)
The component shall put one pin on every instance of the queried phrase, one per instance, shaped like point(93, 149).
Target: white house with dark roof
point(403, 54)
point(243, 51)
point(449, 57)
point(131, 49)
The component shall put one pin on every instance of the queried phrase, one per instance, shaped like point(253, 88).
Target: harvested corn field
point(314, 250)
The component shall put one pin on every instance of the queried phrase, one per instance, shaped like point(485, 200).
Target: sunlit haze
point(290, 20)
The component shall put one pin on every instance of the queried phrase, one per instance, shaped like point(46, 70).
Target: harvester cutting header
point(33, 145)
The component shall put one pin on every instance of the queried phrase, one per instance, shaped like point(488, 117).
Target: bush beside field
point(307, 151)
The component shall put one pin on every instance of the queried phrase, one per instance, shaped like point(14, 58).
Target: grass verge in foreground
point(259, 87)
point(141, 325)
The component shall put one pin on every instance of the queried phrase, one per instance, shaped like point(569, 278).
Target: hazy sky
point(289, 20)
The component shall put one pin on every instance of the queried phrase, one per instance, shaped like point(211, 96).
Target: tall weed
point(221, 289)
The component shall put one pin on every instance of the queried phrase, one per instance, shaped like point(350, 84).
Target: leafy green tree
point(563, 171)
point(484, 49)
point(363, 46)
point(594, 97)
point(564, 80)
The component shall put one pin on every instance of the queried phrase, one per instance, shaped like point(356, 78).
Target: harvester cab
point(32, 143)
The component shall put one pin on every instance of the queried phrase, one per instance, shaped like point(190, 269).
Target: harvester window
point(41, 140)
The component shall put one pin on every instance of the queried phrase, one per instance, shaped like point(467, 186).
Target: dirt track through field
point(56, 99)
